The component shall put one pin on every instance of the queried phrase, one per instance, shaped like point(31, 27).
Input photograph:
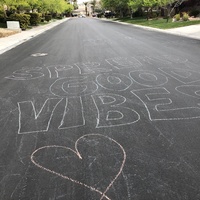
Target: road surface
point(95, 110)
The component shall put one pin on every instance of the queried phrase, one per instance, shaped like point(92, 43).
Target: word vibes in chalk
point(149, 87)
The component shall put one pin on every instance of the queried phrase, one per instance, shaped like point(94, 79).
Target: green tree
point(93, 3)
point(118, 6)
point(169, 6)
point(122, 7)
point(148, 5)
point(44, 6)
point(33, 4)
point(134, 5)
point(54, 6)
point(3, 8)
point(75, 4)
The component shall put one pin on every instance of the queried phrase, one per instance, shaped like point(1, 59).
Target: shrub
point(153, 15)
point(194, 13)
point(185, 17)
point(59, 17)
point(54, 15)
point(138, 13)
point(48, 17)
point(2, 17)
point(24, 20)
point(3, 25)
point(177, 17)
point(35, 18)
point(2, 20)
point(99, 15)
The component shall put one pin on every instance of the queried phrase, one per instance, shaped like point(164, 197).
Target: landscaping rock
point(4, 32)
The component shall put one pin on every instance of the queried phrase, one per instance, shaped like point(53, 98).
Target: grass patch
point(158, 23)
point(43, 23)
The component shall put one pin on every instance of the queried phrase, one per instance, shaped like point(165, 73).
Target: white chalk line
point(28, 73)
point(58, 69)
point(113, 106)
point(89, 66)
point(65, 112)
point(173, 73)
point(156, 106)
point(163, 81)
point(189, 86)
point(124, 62)
point(36, 115)
point(118, 76)
point(73, 82)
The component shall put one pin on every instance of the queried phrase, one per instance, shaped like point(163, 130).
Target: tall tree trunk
point(147, 14)
point(131, 14)
point(121, 13)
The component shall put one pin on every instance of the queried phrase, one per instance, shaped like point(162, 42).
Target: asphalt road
point(95, 110)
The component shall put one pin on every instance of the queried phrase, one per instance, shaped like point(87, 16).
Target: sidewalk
point(192, 31)
point(12, 41)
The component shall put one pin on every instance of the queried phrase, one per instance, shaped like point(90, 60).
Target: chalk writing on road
point(161, 105)
point(113, 88)
point(83, 159)
point(26, 74)
point(113, 112)
point(120, 91)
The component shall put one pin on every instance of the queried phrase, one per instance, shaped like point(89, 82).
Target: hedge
point(35, 18)
point(194, 13)
point(24, 20)
point(48, 17)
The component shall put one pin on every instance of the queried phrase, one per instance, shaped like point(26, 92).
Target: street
point(96, 110)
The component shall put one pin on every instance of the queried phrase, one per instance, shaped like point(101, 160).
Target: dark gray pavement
point(92, 109)
point(12, 41)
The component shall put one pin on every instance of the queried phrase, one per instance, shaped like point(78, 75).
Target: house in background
point(88, 8)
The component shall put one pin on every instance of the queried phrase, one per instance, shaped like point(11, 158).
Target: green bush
point(35, 18)
point(24, 20)
point(2, 20)
point(153, 15)
point(177, 17)
point(194, 13)
point(59, 17)
point(138, 13)
point(48, 17)
point(185, 17)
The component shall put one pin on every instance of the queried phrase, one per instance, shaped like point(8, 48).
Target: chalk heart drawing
point(100, 155)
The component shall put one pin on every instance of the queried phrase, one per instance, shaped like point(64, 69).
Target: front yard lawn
point(159, 23)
